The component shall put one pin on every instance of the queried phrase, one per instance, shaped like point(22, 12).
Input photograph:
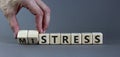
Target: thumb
point(13, 24)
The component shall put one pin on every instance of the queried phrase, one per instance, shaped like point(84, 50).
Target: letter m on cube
point(22, 37)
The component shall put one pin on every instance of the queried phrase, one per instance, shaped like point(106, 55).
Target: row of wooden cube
point(33, 37)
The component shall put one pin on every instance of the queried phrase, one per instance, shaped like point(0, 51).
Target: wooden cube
point(55, 38)
point(44, 38)
point(33, 37)
point(97, 38)
point(86, 38)
point(22, 37)
point(65, 38)
point(76, 38)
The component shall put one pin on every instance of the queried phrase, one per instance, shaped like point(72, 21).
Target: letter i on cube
point(33, 37)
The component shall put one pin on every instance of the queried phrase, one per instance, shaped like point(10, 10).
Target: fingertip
point(40, 30)
point(15, 35)
point(44, 31)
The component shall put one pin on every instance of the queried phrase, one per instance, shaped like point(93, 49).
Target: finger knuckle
point(39, 12)
point(7, 14)
point(47, 10)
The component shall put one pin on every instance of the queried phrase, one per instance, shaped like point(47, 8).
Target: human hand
point(38, 8)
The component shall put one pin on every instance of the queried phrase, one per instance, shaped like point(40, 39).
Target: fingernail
point(15, 35)
point(40, 31)
point(44, 31)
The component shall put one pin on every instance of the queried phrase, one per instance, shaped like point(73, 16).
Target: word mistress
point(33, 37)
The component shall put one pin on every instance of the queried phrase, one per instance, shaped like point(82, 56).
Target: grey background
point(68, 16)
